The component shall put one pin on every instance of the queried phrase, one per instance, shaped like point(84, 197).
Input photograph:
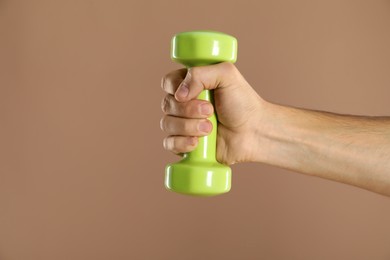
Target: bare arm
point(350, 149)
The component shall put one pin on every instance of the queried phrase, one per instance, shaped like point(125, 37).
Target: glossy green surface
point(199, 173)
point(198, 48)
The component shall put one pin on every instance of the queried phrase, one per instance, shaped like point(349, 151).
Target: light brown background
point(81, 160)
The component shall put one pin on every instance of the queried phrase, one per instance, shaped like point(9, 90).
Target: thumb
point(220, 75)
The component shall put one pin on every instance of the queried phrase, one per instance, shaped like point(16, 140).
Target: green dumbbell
point(199, 173)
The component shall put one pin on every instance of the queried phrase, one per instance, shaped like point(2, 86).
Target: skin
point(350, 149)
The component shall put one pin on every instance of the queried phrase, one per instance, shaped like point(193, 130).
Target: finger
point(192, 109)
point(186, 127)
point(180, 144)
point(171, 81)
point(221, 75)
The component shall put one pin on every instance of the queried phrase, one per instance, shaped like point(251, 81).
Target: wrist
point(277, 136)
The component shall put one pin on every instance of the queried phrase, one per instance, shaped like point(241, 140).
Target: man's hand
point(237, 106)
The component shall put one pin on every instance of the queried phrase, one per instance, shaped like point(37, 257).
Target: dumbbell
point(199, 173)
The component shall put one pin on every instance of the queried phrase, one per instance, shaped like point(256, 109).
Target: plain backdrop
point(81, 157)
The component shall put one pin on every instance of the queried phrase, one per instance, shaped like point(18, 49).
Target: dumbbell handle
point(206, 149)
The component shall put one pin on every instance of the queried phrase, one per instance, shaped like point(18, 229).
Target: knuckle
point(188, 126)
point(167, 143)
point(189, 110)
point(229, 71)
point(175, 145)
point(192, 73)
point(163, 80)
point(165, 104)
point(228, 68)
point(170, 144)
point(163, 123)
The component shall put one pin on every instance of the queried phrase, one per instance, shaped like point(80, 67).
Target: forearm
point(349, 149)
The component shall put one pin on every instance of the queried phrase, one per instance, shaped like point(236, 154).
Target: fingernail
point(205, 109)
point(183, 90)
point(205, 127)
